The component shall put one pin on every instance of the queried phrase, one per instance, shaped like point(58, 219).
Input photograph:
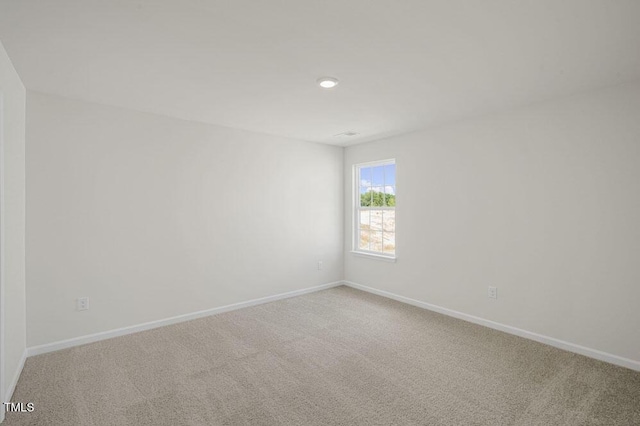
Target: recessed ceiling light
point(327, 82)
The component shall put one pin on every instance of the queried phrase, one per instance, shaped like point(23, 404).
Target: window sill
point(374, 256)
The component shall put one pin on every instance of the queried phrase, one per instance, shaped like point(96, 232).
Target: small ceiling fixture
point(346, 134)
point(327, 82)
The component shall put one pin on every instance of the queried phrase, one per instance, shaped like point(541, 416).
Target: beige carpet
point(336, 357)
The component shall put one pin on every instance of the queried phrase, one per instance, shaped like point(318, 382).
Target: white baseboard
point(82, 340)
point(561, 344)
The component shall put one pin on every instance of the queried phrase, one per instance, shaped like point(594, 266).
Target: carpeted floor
point(336, 357)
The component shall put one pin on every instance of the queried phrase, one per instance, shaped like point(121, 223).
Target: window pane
point(390, 185)
point(389, 221)
point(390, 196)
point(365, 176)
point(375, 243)
point(389, 240)
point(390, 175)
point(365, 196)
point(377, 176)
point(365, 220)
point(363, 242)
point(376, 220)
point(377, 196)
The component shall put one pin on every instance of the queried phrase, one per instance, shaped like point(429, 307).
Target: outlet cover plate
point(82, 303)
point(493, 292)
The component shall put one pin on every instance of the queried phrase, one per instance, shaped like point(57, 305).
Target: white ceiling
point(250, 64)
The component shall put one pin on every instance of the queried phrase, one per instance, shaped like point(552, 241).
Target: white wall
point(153, 217)
point(542, 202)
point(12, 139)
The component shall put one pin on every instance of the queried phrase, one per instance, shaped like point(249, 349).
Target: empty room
point(295, 212)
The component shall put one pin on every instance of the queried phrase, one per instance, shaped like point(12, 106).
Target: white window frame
point(357, 208)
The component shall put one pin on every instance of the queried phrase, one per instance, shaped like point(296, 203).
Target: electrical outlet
point(320, 265)
point(493, 293)
point(82, 304)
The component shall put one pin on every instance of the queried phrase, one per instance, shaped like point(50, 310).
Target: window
point(375, 208)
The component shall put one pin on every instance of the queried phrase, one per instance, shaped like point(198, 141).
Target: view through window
point(375, 208)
